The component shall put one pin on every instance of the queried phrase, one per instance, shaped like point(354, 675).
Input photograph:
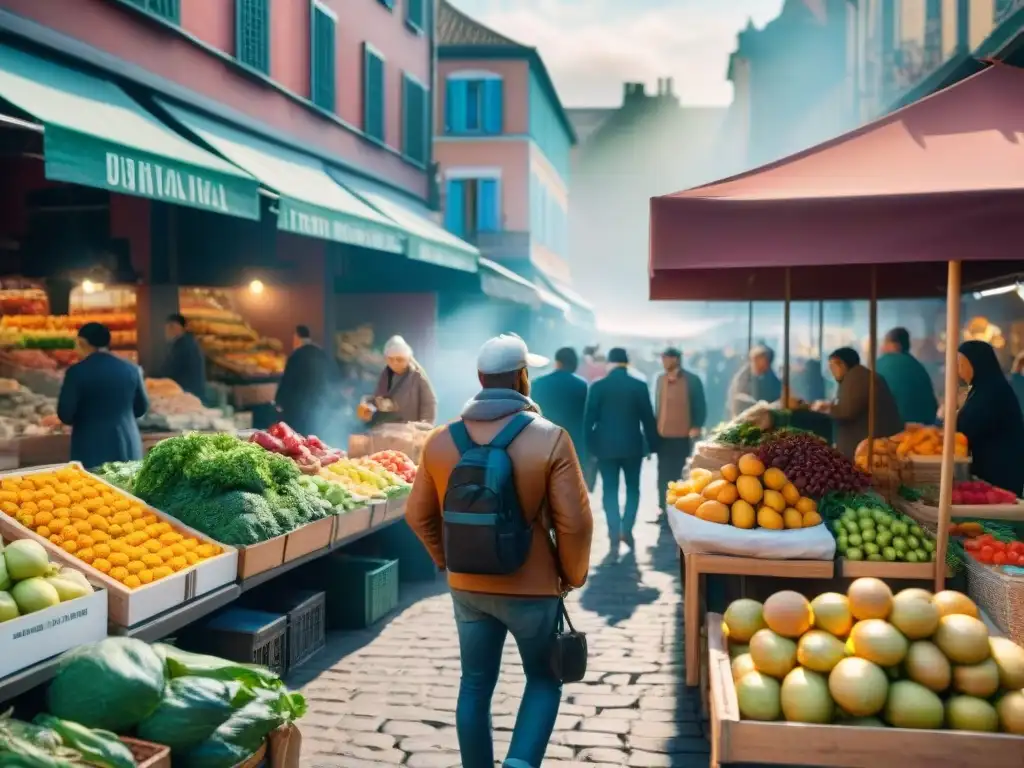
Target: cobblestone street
point(386, 696)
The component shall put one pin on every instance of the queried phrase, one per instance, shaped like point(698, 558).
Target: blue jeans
point(483, 622)
point(610, 470)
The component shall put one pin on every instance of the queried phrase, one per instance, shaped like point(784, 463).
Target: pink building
point(502, 142)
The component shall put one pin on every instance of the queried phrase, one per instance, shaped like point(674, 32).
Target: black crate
point(244, 635)
point(306, 612)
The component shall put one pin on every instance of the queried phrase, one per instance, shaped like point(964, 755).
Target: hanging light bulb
point(256, 287)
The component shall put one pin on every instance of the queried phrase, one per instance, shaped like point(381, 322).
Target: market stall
point(892, 210)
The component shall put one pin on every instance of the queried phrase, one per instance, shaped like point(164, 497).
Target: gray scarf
point(494, 404)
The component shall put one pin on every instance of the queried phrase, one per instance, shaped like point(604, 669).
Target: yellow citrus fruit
point(204, 550)
point(76, 497)
point(165, 554)
point(69, 532)
point(43, 531)
point(9, 507)
point(59, 523)
point(82, 526)
point(26, 496)
point(134, 566)
point(45, 505)
point(115, 531)
point(89, 493)
point(137, 513)
point(132, 581)
point(61, 499)
point(146, 576)
point(78, 512)
point(101, 550)
point(70, 545)
point(128, 526)
point(84, 542)
point(190, 544)
point(153, 545)
point(178, 563)
point(85, 555)
point(118, 558)
point(192, 558)
point(121, 505)
point(162, 572)
point(104, 511)
point(28, 520)
point(56, 538)
point(121, 518)
point(44, 518)
point(152, 560)
point(101, 565)
point(100, 535)
point(119, 572)
point(178, 549)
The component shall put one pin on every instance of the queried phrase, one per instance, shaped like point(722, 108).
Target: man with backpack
point(500, 503)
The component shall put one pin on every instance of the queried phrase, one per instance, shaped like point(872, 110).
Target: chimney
point(669, 86)
point(661, 86)
point(633, 91)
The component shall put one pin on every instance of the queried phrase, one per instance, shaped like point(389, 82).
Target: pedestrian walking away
point(562, 397)
point(620, 430)
point(680, 410)
point(493, 489)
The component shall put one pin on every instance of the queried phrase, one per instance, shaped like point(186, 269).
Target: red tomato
point(986, 553)
point(1012, 558)
point(1018, 547)
point(985, 538)
point(999, 558)
point(999, 546)
point(972, 545)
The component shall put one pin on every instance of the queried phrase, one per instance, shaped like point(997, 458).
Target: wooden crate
point(351, 523)
point(128, 607)
point(147, 754)
point(835, 746)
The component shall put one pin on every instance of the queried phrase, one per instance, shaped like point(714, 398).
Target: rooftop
point(456, 28)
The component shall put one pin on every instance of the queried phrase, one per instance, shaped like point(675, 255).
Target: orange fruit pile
point(103, 528)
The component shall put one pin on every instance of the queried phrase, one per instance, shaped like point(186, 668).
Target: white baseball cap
point(507, 353)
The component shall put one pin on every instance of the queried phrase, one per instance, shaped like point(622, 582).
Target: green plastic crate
point(361, 591)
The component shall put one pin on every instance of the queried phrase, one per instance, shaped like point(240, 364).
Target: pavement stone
point(386, 696)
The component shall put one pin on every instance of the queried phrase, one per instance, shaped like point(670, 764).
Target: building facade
point(502, 143)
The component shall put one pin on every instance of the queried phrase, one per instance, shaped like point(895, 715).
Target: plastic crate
point(307, 624)
point(360, 590)
point(244, 635)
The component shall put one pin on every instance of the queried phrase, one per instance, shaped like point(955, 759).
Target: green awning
point(500, 283)
point(310, 203)
point(428, 242)
point(95, 135)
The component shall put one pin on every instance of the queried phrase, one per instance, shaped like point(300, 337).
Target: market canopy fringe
point(939, 180)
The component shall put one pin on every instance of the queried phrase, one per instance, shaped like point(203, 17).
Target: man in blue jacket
point(184, 364)
point(620, 430)
point(562, 396)
point(100, 400)
point(909, 382)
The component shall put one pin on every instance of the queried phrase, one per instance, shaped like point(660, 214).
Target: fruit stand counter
point(748, 742)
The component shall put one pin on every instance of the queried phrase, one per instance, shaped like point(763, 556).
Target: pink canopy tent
point(940, 180)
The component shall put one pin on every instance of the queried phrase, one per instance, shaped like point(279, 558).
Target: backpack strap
point(459, 433)
point(511, 431)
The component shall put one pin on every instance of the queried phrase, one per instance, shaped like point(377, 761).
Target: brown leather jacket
point(544, 466)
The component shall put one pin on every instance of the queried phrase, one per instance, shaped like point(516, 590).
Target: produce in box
point(49, 742)
point(745, 495)
point(233, 491)
point(213, 713)
point(980, 492)
point(366, 478)
point(29, 582)
point(866, 528)
point(310, 453)
point(913, 660)
point(397, 463)
point(99, 526)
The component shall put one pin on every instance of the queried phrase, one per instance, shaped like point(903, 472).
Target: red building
point(231, 133)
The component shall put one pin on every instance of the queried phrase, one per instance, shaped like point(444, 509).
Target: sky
point(592, 46)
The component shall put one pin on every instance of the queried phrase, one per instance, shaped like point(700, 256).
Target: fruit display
point(366, 479)
point(814, 467)
point(310, 453)
point(870, 658)
point(233, 346)
point(396, 462)
point(990, 544)
point(918, 440)
point(19, 297)
point(29, 582)
point(866, 528)
point(24, 412)
point(211, 712)
point(746, 435)
point(100, 526)
point(981, 493)
point(171, 409)
point(745, 495)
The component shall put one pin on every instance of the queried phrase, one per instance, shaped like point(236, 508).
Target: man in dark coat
point(620, 430)
point(562, 396)
point(184, 364)
point(681, 410)
point(100, 399)
point(307, 385)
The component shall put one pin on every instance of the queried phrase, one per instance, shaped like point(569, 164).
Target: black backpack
point(485, 532)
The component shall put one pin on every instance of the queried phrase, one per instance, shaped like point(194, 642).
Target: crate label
point(55, 621)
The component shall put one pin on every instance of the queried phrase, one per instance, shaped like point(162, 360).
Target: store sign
point(161, 182)
point(313, 221)
point(78, 158)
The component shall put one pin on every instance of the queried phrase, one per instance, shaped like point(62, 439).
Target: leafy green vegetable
point(120, 473)
point(212, 753)
point(19, 748)
point(180, 663)
point(112, 684)
point(191, 710)
point(97, 747)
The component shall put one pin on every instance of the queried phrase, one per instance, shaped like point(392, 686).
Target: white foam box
point(30, 639)
point(130, 607)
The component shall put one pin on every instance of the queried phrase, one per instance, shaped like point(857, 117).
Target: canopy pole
point(872, 357)
point(949, 409)
point(750, 326)
point(785, 335)
point(821, 334)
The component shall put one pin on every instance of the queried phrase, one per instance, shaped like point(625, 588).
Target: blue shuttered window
point(455, 207)
point(488, 210)
point(493, 106)
point(252, 34)
point(475, 106)
point(373, 93)
point(416, 14)
point(456, 96)
point(165, 9)
point(323, 34)
point(389, 4)
point(415, 130)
